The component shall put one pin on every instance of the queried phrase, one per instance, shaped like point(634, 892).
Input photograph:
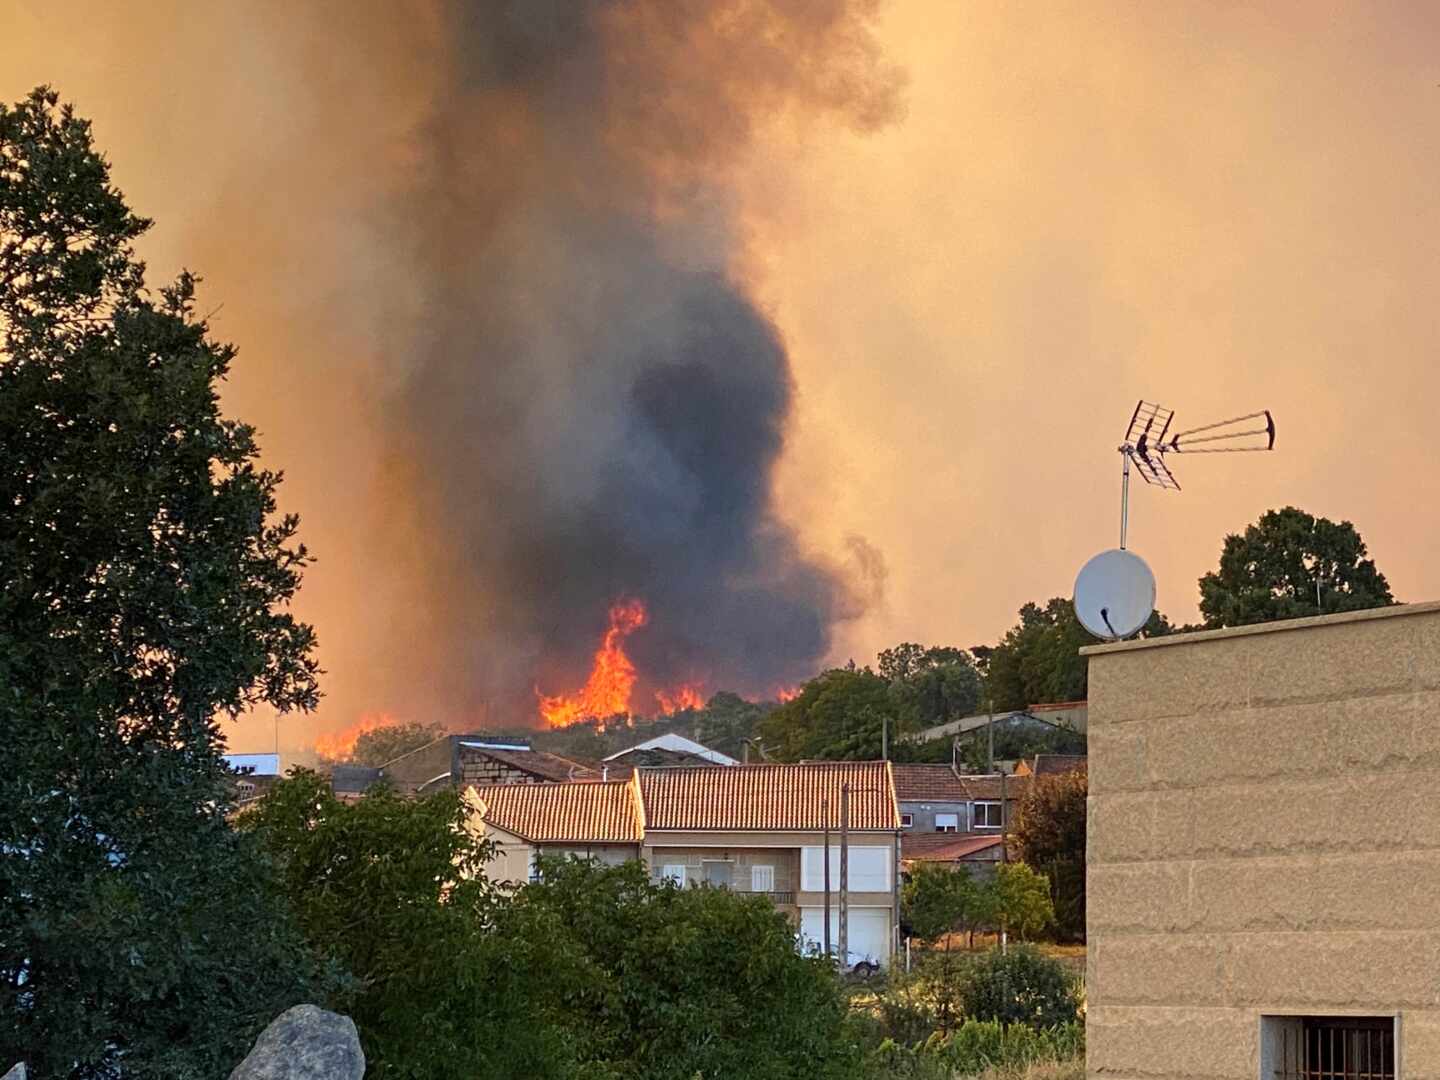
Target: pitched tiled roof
point(928, 783)
point(945, 847)
point(988, 787)
point(582, 813)
point(1058, 764)
point(766, 798)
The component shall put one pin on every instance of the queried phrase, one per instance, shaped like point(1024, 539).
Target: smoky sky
point(592, 404)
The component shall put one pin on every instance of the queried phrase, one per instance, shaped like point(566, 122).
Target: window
point(906, 820)
point(1316, 1047)
point(673, 872)
point(762, 879)
point(717, 872)
point(987, 815)
point(947, 822)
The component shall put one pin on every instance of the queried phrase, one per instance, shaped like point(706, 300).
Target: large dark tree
point(1039, 660)
point(143, 584)
point(1287, 565)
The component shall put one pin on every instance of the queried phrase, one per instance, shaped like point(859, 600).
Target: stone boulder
point(305, 1043)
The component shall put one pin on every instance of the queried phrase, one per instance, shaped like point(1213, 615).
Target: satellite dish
point(1114, 594)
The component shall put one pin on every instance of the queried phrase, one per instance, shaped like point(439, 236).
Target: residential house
point(761, 829)
point(751, 828)
point(949, 817)
point(598, 821)
point(1263, 861)
point(669, 749)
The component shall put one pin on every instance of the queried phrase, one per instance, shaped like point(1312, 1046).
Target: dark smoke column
point(594, 405)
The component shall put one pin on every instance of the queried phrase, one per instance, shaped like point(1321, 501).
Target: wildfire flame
point(612, 675)
point(785, 694)
point(337, 745)
point(673, 701)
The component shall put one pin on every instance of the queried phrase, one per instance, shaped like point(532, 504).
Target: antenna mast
point(1146, 444)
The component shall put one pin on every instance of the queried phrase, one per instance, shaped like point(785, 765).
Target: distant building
point(670, 749)
point(749, 828)
point(947, 816)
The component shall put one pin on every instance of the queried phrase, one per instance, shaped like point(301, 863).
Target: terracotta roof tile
point(928, 783)
point(764, 798)
point(942, 847)
point(582, 812)
point(987, 788)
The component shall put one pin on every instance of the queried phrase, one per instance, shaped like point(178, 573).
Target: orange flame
point(785, 694)
point(338, 745)
point(686, 697)
point(612, 675)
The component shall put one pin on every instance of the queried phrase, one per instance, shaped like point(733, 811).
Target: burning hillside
point(607, 692)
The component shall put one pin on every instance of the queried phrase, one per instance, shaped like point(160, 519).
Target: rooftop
point(601, 812)
point(1277, 627)
point(769, 798)
point(928, 783)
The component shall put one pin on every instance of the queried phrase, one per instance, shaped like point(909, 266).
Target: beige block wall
point(1264, 839)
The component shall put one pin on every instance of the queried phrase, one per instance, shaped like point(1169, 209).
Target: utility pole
point(844, 877)
point(1004, 824)
point(825, 933)
point(884, 738)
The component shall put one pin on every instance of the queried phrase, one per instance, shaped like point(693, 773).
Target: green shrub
point(1022, 986)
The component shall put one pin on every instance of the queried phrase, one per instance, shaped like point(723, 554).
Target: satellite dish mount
point(1148, 440)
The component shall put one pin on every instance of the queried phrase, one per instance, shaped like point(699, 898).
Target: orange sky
point(1217, 207)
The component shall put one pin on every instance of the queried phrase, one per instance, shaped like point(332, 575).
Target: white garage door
point(869, 932)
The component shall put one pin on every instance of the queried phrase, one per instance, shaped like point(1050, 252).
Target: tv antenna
point(1115, 591)
point(1148, 440)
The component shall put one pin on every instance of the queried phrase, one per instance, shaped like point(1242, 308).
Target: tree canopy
point(144, 580)
point(1038, 660)
point(589, 971)
point(384, 744)
point(1287, 565)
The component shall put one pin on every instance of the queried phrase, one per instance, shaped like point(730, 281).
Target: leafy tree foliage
point(929, 686)
point(1039, 661)
point(390, 889)
point(938, 900)
point(662, 982)
point(1020, 986)
point(1022, 899)
point(1287, 565)
point(592, 971)
point(143, 585)
point(1049, 835)
point(384, 744)
point(836, 716)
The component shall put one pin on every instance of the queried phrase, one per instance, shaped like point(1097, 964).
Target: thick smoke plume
point(594, 405)
point(484, 264)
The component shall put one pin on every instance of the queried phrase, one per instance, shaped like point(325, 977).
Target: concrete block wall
point(1264, 839)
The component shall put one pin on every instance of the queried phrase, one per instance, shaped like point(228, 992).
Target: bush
point(1019, 987)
